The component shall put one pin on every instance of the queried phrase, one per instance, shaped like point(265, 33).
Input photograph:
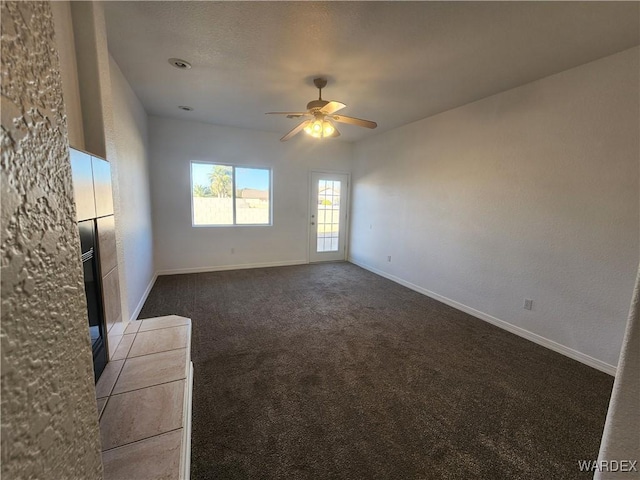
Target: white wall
point(114, 126)
point(529, 193)
point(134, 213)
point(68, 71)
point(92, 62)
point(179, 246)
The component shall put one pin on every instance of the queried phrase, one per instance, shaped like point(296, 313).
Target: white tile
point(153, 369)
point(155, 458)
point(101, 403)
point(108, 378)
point(133, 416)
point(113, 341)
point(154, 341)
point(163, 322)
point(133, 327)
point(118, 328)
point(123, 348)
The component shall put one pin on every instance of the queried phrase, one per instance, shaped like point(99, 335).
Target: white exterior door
point(328, 216)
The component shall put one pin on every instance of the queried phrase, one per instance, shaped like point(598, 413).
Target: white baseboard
point(136, 312)
point(521, 332)
point(219, 268)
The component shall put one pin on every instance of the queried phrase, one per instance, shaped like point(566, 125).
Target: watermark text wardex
point(608, 465)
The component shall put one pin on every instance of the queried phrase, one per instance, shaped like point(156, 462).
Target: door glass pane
point(328, 215)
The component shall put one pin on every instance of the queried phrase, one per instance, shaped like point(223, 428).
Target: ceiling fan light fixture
point(327, 129)
point(318, 112)
point(314, 128)
point(320, 128)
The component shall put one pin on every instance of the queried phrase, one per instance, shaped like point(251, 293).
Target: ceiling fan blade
point(354, 121)
point(332, 107)
point(297, 114)
point(298, 128)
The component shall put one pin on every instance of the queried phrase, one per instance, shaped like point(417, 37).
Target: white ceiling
point(391, 62)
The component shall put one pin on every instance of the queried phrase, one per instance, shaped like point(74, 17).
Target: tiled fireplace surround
point(144, 401)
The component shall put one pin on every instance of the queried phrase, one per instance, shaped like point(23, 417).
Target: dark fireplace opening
point(92, 290)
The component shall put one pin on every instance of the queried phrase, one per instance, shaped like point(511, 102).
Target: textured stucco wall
point(621, 436)
point(49, 420)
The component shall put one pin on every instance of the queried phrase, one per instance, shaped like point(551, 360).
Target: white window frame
point(233, 194)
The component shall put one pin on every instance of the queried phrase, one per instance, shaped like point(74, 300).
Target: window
point(229, 195)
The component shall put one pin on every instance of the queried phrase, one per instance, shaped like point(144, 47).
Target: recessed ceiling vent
point(179, 63)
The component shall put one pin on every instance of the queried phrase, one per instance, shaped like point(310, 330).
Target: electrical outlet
point(389, 258)
point(528, 304)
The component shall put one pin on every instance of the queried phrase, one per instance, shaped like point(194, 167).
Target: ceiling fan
point(320, 114)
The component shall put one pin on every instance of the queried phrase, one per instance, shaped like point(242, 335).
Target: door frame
point(347, 211)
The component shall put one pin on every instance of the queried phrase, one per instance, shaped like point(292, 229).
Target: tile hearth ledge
point(144, 402)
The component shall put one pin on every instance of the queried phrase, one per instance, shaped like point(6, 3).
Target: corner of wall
point(65, 41)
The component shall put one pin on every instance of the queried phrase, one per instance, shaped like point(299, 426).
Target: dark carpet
point(331, 372)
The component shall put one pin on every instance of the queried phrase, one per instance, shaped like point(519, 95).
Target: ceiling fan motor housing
point(316, 104)
point(320, 82)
